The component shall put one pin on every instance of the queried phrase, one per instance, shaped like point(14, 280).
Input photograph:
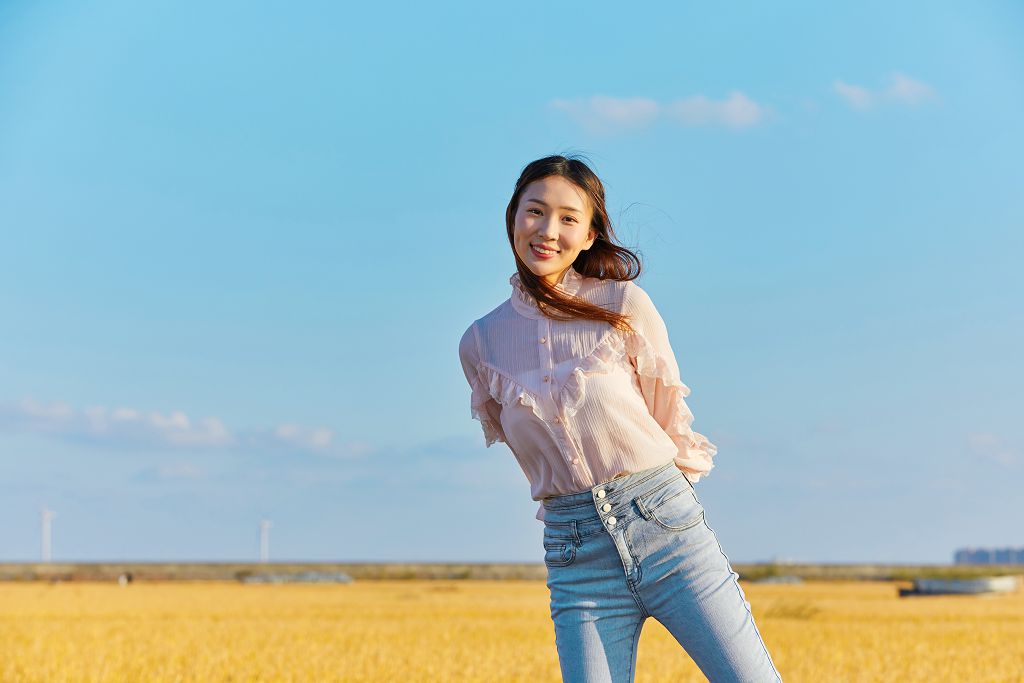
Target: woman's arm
point(482, 406)
point(663, 391)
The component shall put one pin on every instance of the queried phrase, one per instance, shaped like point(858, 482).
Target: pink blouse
point(579, 402)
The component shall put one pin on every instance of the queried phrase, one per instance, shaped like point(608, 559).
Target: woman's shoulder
point(496, 315)
point(500, 312)
point(622, 296)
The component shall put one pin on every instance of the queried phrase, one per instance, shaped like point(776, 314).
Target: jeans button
point(601, 493)
point(611, 521)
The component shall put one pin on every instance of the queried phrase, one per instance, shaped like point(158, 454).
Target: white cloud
point(312, 438)
point(602, 114)
point(736, 111)
point(130, 427)
point(901, 89)
point(856, 96)
point(905, 89)
point(991, 447)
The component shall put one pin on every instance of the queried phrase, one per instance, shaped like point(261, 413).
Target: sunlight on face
point(552, 226)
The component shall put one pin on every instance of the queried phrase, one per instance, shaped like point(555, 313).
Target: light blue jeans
point(637, 547)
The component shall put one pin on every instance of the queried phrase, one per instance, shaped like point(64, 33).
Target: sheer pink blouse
point(579, 402)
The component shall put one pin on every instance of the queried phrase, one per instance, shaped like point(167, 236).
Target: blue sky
point(240, 245)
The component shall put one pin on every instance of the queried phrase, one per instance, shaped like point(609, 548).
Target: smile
point(543, 252)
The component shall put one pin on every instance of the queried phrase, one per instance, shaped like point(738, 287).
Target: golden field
point(470, 631)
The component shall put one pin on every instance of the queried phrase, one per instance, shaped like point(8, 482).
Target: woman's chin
point(544, 268)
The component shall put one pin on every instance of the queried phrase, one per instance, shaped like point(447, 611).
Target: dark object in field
point(979, 586)
point(297, 577)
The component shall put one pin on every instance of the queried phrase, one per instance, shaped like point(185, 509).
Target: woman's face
point(552, 226)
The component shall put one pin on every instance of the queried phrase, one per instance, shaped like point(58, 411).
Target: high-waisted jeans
point(637, 547)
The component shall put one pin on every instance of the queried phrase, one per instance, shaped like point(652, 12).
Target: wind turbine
point(264, 539)
point(47, 517)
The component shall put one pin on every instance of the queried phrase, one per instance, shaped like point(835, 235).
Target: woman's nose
point(548, 229)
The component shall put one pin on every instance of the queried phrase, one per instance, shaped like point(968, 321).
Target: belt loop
point(576, 534)
point(642, 508)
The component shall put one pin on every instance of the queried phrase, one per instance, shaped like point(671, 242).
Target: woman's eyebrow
point(567, 208)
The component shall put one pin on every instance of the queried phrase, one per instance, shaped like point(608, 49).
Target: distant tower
point(264, 539)
point(47, 517)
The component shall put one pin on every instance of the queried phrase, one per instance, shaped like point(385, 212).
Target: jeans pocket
point(675, 507)
point(559, 552)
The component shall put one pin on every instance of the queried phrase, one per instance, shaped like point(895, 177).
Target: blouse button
point(558, 420)
point(576, 461)
point(547, 377)
point(543, 339)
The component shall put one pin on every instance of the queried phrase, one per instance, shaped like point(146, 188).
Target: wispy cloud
point(735, 111)
point(603, 114)
point(856, 96)
point(600, 112)
point(991, 447)
point(901, 89)
point(131, 427)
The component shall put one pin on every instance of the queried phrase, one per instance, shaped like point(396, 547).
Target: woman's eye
point(532, 210)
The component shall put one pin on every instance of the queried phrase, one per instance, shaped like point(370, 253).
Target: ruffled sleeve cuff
point(487, 411)
point(664, 392)
point(482, 405)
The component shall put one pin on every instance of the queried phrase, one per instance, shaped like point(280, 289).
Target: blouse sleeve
point(482, 406)
point(662, 389)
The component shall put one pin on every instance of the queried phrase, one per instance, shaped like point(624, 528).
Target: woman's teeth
point(542, 251)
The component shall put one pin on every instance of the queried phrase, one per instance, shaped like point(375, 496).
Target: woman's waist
point(608, 494)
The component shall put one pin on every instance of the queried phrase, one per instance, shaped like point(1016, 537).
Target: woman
point(574, 372)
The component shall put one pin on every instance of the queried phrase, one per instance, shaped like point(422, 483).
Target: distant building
point(989, 556)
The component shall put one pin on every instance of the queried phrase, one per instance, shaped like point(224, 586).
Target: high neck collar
point(524, 302)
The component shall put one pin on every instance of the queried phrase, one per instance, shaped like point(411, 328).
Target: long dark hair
point(604, 259)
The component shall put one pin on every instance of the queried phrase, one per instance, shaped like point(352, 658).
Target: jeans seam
point(632, 650)
point(650, 492)
point(689, 525)
point(631, 484)
point(659, 470)
point(745, 602)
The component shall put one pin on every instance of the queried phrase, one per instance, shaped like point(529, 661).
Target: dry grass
point(470, 631)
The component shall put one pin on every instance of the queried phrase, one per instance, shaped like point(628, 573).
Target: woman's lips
point(542, 254)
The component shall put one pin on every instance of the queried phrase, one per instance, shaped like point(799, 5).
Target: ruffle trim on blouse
point(507, 391)
point(602, 359)
point(524, 303)
point(493, 432)
point(695, 458)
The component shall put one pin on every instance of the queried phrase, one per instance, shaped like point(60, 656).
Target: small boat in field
point(980, 586)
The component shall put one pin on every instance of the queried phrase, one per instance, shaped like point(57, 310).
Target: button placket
point(569, 450)
point(605, 507)
point(547, 362)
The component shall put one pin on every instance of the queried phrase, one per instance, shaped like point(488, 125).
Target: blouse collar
point(524, 302)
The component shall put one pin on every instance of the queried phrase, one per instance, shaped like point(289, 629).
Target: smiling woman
point(576, 374)
point(553, 227)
